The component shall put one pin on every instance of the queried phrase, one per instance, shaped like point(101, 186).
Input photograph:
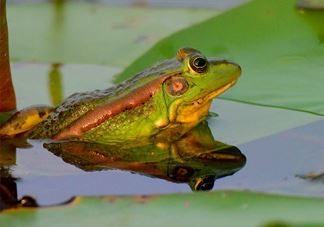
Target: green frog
point(164, 101)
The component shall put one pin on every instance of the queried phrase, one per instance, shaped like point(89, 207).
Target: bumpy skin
point(164, 101)
point(78, 104)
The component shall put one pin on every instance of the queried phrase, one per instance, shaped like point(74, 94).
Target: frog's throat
point(102, 113)
point(197, 109)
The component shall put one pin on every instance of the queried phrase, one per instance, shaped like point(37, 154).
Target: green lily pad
point(280, 49)
point(222, 208)
point(91, 33)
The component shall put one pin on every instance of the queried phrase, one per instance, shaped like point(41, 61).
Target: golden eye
point(177, 86)
point(198, 63)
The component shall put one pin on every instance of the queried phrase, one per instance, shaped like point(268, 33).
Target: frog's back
point(79, 104)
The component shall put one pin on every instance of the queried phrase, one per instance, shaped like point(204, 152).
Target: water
point(272, 165)
point(274, 162)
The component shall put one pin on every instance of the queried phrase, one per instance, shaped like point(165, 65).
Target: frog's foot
point(24, 120)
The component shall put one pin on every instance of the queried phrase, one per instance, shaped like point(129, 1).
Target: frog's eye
point(177, 86)
point(198, 63)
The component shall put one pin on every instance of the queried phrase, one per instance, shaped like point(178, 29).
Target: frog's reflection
point(196, 158)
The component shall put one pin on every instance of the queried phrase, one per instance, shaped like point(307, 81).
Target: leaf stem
point(7, 93)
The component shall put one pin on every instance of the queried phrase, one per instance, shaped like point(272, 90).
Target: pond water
point(264, 152)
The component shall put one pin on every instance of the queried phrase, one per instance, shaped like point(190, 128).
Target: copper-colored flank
point(7, 93)
point(129, 101)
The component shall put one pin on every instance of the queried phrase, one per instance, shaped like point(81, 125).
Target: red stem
point(7, 93)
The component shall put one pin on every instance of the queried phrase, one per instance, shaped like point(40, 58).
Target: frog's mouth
point(205, 98)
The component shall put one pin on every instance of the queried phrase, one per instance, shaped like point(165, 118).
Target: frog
point(163, 102)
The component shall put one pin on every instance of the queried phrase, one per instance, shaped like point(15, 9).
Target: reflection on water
point(312, 176)
point(8, 192)
point(195, 159)
point(8, 189)
point(8, 186)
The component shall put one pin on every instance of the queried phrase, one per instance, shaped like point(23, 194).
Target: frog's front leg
point(24, 120)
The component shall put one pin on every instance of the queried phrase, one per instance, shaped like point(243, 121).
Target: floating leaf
point(91, 33)
point(222, 208)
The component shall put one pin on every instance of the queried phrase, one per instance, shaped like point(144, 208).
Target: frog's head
point(189, 94)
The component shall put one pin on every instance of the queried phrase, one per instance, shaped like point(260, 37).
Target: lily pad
point(222, 208)
point(280, 49)
point(91, 33)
